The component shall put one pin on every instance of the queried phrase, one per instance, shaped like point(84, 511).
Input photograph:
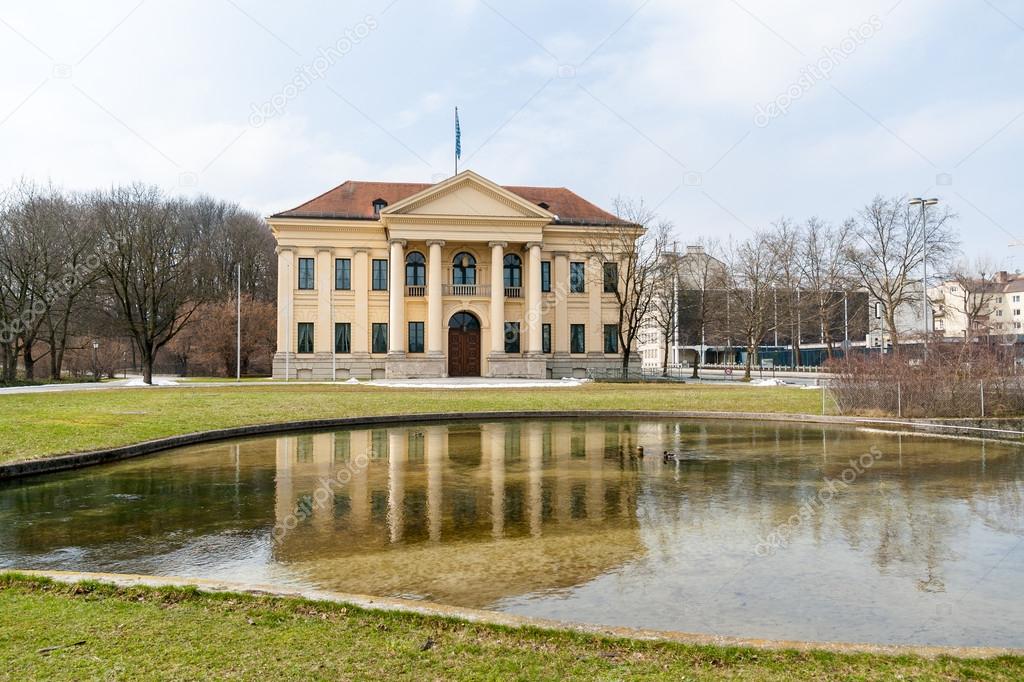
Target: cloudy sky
point(724, 115)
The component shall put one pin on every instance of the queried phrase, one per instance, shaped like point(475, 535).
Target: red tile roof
point(353, 200)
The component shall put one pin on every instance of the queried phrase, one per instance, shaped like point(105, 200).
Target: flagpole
point(456, 140)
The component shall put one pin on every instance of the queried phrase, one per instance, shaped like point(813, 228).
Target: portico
point(464, 277)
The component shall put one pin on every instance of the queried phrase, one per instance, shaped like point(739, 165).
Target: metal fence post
point(981, 384)
point(899, 400)
point(823, 385)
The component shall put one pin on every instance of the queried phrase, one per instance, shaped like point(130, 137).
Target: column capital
point(400, 242)
point(530, 245)
point(284, 249)
point(435, 242)
point(561, 254)
point(324, 249)
point(501, 244)
point(360, 249)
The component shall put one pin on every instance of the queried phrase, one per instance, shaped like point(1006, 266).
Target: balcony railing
point(466, 290)
point(513, 292)
point(416, 290)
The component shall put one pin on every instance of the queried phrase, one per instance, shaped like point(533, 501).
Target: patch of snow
point(353, 380)
point(157, 381)
point(768, 382)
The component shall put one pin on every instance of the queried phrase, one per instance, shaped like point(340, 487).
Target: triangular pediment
point(467, 194)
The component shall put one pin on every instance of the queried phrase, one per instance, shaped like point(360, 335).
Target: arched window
point(513, 271)
point(464, 321)
point(415, 270)
point(464, 269)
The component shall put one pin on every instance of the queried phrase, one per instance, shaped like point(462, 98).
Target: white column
point(285, 298)
point(560, 330)
point(396, 292)
point(361, 289)
point(324, 333)
point(497, 297)
point(595, 285)
point(435, 302)
point(533, 298)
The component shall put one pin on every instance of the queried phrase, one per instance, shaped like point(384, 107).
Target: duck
point(667, 456)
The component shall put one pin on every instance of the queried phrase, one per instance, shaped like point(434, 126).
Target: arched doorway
point(464, 345)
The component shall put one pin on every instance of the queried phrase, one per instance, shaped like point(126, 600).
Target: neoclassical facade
point(460, 278)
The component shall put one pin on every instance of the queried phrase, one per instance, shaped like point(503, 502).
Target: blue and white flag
point(458, 136)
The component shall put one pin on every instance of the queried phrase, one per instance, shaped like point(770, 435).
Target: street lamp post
point(924, 204)
point(95, 359)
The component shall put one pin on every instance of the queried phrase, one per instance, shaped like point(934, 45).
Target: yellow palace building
point(460, 278)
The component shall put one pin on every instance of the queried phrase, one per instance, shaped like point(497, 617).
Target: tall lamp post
point(924, 204)
point(95, 359)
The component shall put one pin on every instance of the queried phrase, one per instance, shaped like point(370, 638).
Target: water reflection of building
point(479, 511)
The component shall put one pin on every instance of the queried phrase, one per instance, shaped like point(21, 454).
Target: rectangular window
point(511, 337)
point(611, 338)
point(577, 278)
point(545, 276)
point(305, 337)
point(342, 337)
point(380, 337)
point(577, 338)
point(415, 337)
point(545, 338)
point(342, 273)
point(305, 273)
point(611, 278)
point(380, 274)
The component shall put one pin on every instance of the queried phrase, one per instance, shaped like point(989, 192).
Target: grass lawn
point(41, 424)
point(52, 630)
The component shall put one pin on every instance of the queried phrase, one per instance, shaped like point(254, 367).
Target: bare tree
point(783, 241)
point(234, 236)
point(890, 249)
point(825, 272)
point(155, 272)
point(752, 271)
point(630, 254)
point(31, 241)
point(664, 308)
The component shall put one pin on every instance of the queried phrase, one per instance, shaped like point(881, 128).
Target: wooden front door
point(463, 352)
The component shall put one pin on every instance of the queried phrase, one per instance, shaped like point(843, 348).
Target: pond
point(755, 529)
